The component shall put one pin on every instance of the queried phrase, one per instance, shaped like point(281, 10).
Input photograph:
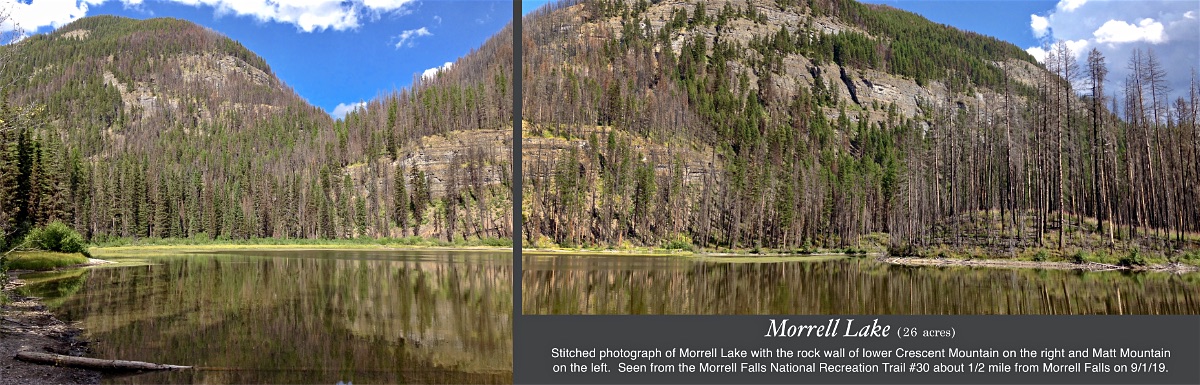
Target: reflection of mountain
point(288, 319)
point(635, 285)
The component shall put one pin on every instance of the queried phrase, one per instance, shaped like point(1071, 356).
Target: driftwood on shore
point(92, 363)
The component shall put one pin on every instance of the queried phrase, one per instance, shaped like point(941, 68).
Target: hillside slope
point(163, 128)
point(821, 121)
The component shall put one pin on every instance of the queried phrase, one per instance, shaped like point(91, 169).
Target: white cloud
point(432, 72)
point(36, 14)
point(306, 15)
point(1038, 53)
point(1077, 47)
point(1116, 31)
point(406, 38)
point(1040, 25)
point(342, 109)
point(1070, 5)
point(386, 5)
point(1078, 50)
point(1116, 28)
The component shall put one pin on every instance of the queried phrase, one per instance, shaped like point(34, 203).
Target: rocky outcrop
point(437, 154)
point(215, 70)
point(850, 86)
point(700, 163)
point(78, 34)
point(866, 88)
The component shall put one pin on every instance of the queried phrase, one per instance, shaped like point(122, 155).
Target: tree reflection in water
point(305, 316)
point(683, 285)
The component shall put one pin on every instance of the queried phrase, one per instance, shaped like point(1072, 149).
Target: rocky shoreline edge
point(26, 325)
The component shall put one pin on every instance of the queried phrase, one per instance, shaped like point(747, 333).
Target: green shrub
point(544, 242)
point(679, 241)
point(496, 242)
point(56, 236)
point(1041, 256)
point(902, 250)
point(1134, 258)
point(1079, 257)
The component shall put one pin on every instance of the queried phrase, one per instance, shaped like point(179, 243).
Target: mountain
point(793, 124)
point(163, 128)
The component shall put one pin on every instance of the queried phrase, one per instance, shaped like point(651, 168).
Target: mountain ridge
point(162, 128)
point(834, 123)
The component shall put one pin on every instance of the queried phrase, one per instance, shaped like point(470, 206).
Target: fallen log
point(1108, 266)
point(92, 363)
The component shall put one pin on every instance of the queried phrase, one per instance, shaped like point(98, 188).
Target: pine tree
point(212, 216)
point(162, 209)
point(400, 199)
point(420, 198)
point(348, 216)
point(9, 174)
point(53, 183)
point(140, 196)
point(38, 184)
point(390, 131)
point(360, 217)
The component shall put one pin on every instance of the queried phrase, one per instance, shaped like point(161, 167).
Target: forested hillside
point(162, 128)
point(794, 124)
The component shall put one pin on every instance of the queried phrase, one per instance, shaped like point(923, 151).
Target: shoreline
point(1175, 268)
point(26, 325)
point(999, 263)
point(99, 252)
point(105, 251)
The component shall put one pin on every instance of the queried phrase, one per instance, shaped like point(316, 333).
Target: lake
point(626, 284)
point(297, 316)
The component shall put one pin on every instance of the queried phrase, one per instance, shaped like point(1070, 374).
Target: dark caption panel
point(858, 349)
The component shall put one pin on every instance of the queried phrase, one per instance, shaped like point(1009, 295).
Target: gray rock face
point(865, 88)
point(439, 155)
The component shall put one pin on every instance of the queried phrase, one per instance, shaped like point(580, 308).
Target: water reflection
point(305, 317)
point(674, 285)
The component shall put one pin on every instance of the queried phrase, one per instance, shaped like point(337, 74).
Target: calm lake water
point(298, 316)
point(683, 285)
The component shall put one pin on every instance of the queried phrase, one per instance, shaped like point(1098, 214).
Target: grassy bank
point(983, 238)
point(681, 245)
point(143, 245)
point(42, 260)
point(206, 241)
point(1133, 258)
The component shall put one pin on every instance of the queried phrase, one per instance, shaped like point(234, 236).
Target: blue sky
point(1115, 27)
point(1006, 20)
point(332, 52)
point(339, 52)
point(530, 5)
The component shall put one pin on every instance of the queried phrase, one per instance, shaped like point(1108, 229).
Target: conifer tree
point(399, 199)
point(420, 198)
